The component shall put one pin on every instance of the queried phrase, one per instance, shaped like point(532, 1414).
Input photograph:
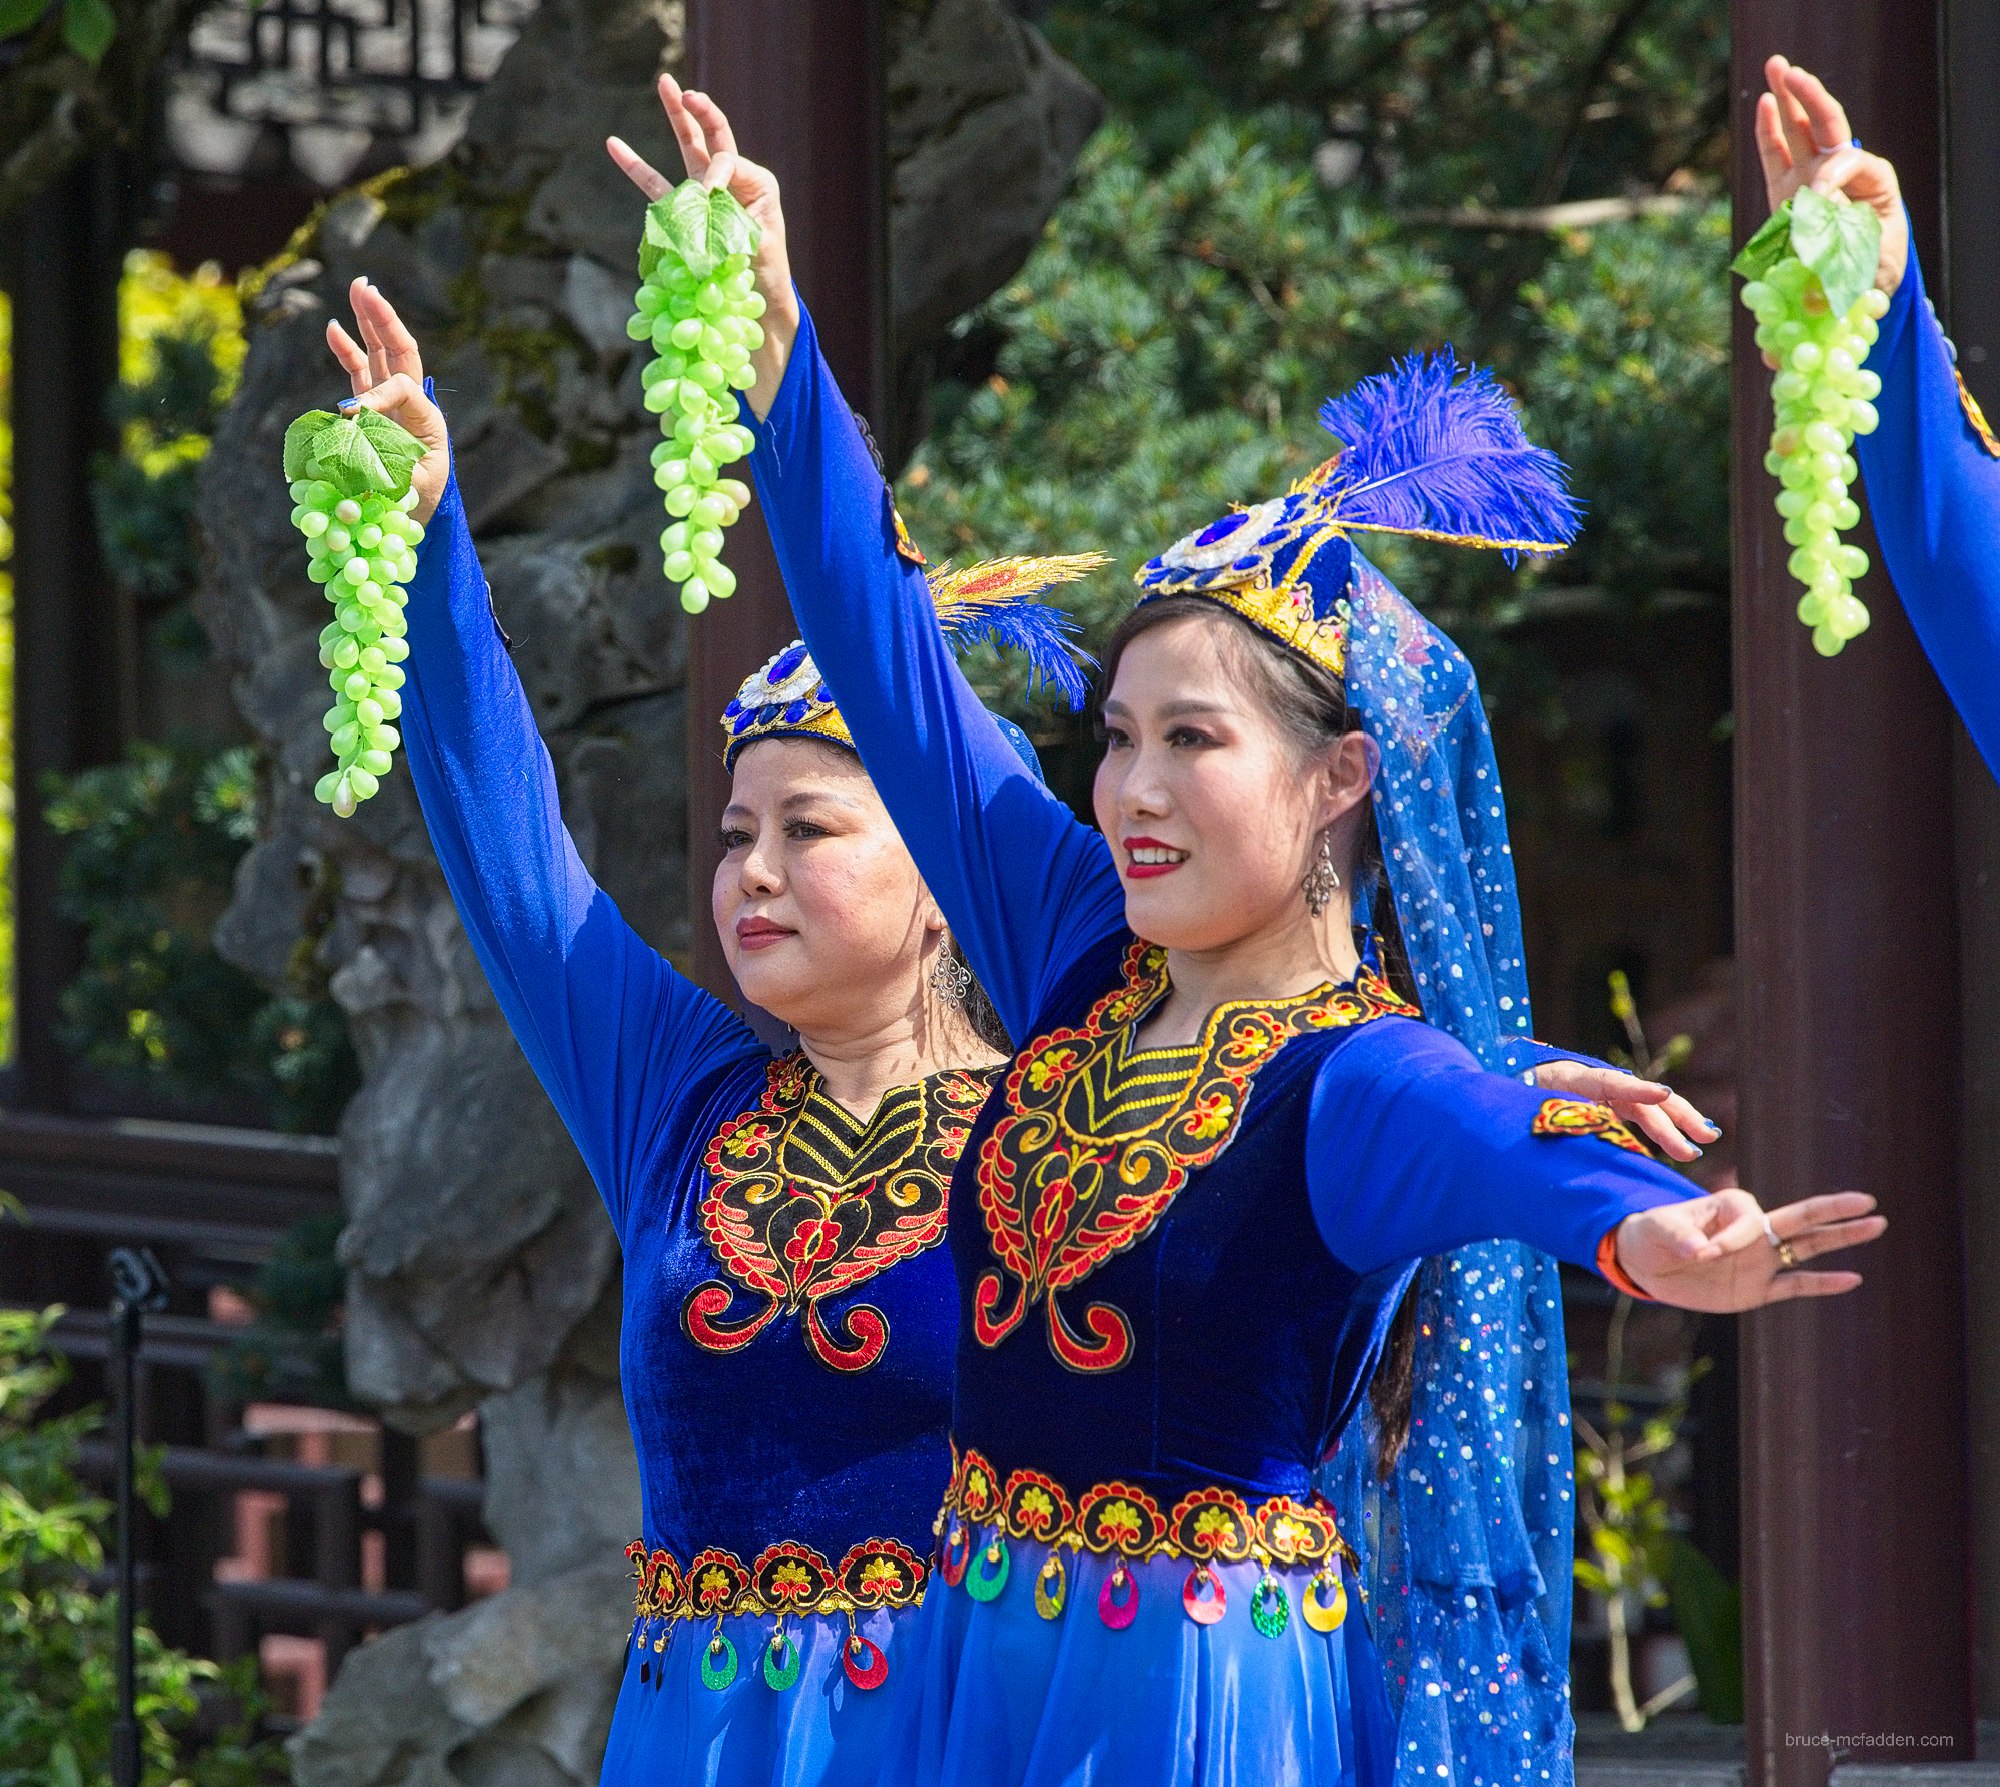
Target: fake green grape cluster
point(1811, 285)
point(698, 305)
point(363, 553)
point(1824, 398)
point(352, 497)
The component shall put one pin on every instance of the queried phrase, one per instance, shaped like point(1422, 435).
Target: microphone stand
point(138, 1283)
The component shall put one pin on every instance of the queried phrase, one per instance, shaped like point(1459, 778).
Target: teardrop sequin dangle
point(1203, 1595)
point(864, 1662)
point(957, 1554)
point(1324, 1615)
point(718, 1662)
point(781, 1659)
point(660, 1645)
point(988, 1575)
point(1051, 1586)
point(1118, 1599)
point(1270, 1611)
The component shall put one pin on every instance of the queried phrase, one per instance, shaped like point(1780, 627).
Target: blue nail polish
point(348, 404)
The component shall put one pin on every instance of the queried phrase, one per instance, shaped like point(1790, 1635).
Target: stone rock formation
point(481, 1269)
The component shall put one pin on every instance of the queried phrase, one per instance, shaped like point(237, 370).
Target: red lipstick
point(1147, 871)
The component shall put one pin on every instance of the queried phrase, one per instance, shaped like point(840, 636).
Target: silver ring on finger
point(1770, 1234)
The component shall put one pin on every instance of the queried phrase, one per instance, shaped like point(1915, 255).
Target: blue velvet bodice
point(1241, 1344)
point(787, 1347)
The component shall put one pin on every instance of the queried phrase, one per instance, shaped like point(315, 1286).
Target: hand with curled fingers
point(386, 371)
point(1803, 139)
point(709, 153)
point(1723, 1253)
point(1658, 1112)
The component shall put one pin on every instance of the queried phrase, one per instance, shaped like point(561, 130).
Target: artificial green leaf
point(299, 439)
point(1768, 246)
point(88, 28)
point(686, 219)
point(655, 241)
point(347, 458)
point(731, 229)
point(17, 16)
point(1839, 241)
point(395, 446)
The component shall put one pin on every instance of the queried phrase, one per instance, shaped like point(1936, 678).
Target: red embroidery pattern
point(1560, 1117)
point(785, 1578)
point(1096, 1142)
point(805, 1203)
point(1208, 1525)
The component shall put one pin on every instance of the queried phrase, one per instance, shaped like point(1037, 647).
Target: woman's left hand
point(388, 375)
point(1716, 1254)
point(1803, 139)
point(1658, 1112)
point(708, 152)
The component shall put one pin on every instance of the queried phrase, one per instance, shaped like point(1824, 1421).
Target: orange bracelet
point(1608, 1266)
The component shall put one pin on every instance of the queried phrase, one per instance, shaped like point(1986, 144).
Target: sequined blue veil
point(1468, 1546)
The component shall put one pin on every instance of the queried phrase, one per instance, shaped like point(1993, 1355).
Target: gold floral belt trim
point(1210, 1526)
point(784, 1579)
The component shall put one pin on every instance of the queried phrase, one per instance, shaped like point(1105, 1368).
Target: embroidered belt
point(1210, 1526)
point(784, 1579)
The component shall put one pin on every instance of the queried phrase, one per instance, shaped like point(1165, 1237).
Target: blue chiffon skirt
point(671, 1729)
point(1007, 1698)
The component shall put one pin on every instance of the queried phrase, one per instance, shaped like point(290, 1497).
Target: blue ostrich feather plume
point(1436, 449)
point(995, 602)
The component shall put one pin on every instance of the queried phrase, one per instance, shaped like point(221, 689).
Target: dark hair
point(978, 1005)
point(1310, 706)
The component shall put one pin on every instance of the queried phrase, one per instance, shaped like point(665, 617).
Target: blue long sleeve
point(1414, 1149)
point(1025, 887)
point(614, 1034)
point(1934, 496)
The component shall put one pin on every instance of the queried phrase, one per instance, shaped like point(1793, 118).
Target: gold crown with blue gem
point(1430, 449)
point(992, 602)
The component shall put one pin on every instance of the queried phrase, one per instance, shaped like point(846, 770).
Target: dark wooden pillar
point(802, 83)
point(1968, 293)
point(68, 659)
point(1855, 1563)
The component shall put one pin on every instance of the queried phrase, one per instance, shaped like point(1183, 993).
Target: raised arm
point(616, 1037)
point(1414, 1149)
point(1933, 480)
point(1025, 887)
point(1931, 468)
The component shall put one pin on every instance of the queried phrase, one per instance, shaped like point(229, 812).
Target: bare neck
point(1278, 962)
point(859, 1068)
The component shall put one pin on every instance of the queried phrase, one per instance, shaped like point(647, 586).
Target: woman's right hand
point(388, 375)
point(1803, 139)
point(1722, 1254)
point(708, 152)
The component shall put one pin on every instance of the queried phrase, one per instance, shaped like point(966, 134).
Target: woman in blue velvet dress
point(1932, 466)
point(1182, 1223)
point(789, 1313)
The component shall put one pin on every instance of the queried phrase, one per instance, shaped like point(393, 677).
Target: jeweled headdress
point(992, 602)
point(1430, 449)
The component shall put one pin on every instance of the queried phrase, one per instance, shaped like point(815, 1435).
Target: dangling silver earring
point(1322, 880)
point(951, 979)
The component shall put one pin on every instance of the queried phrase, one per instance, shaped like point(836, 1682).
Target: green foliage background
point(1279, 205)
point(57, 1634)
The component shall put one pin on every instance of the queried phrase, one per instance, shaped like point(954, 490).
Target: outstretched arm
point(1414, 1150)
point(613, 1033)
point(1931, 471)
point(1024, 885)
